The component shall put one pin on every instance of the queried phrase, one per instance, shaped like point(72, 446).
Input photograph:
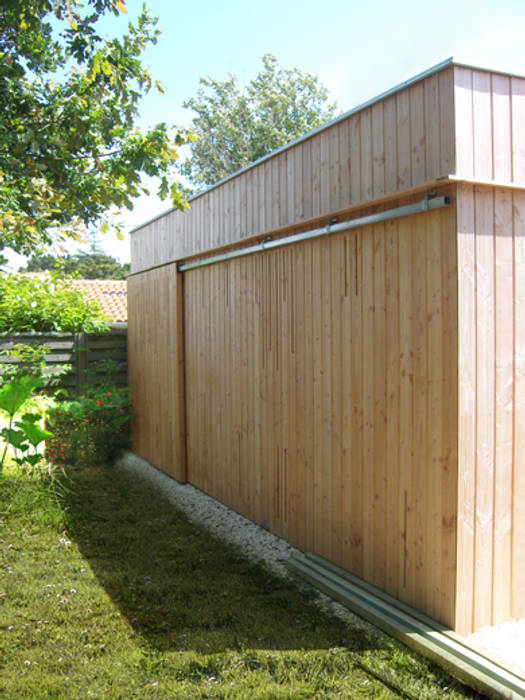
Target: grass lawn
point(109, 592)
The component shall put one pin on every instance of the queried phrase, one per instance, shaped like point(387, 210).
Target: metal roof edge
point(387, 93)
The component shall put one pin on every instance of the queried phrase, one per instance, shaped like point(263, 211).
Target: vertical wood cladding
point(156, 370)
point(363, 394)
point(490, 126)
point(321, 399)
point(398, 143)
point(491, 527)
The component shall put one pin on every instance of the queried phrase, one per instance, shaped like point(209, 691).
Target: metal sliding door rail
point(426, 204)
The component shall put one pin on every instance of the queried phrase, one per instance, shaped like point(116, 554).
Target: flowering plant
point(91, 429)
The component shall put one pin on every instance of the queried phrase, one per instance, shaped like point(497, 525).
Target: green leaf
point(69, 102)
point(16, 438)
point(34, 433)
point(14, 395)
point(33, 460)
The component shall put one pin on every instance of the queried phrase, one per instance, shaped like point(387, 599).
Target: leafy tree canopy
point(234, 128)
point(69, 99)
point(87, 266)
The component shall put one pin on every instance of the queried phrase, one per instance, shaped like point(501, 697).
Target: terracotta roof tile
point(110, 294)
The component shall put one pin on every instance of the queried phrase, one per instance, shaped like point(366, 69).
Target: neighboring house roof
point(110, 294)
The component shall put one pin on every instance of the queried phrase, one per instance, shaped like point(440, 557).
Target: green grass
point(108, 591)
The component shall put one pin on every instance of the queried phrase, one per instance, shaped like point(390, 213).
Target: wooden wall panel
point(489, 117)
point(156, 369)
point(491, 536)
point(320, 392)
point(400, 142)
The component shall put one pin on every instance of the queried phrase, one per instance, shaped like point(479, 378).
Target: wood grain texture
point(398, 143)
point(156, 369)
point(489, 116)
point(491, 364)
point(362, 395)
point(310, 391)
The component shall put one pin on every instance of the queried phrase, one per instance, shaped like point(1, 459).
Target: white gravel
point(504, 643)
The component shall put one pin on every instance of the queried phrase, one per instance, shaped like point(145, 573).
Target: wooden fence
point(86, 354)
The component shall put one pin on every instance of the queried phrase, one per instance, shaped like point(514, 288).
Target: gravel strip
point(505, 642)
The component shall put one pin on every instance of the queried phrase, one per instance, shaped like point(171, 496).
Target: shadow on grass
point(179, 587)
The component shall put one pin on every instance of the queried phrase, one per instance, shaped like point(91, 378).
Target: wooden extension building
point(332, 342)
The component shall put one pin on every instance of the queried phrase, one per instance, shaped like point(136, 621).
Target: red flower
point(109, 393)
point(99, 402)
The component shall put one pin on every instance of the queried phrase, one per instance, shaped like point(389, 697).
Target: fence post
point(81, 361)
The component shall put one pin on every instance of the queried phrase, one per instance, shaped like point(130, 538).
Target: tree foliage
point(234, 128)
point(69, 100)
point(87, 266)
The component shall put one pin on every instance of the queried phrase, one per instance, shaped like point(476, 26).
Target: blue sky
point(357, 49)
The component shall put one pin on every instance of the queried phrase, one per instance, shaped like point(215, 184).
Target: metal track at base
point(413, 629)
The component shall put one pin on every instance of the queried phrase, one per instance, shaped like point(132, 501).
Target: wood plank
point(317, 379)
point(378, 151)
point(345, 165)
point(326, 483)
point(346, 359)
point(334, 168)
point(325, 184)
point(449, 408)
point(464, 122)
point(336, 292)
point(404, 161)
point(432, 128)
point(405, 556)
point(502, 128)
point(482, 126)
point(417, 133)
point(315, 174)
point(358, 348)
point(298, 404)
point(504, 393)
point(283, 189)
point(292, 177)
point(355, 159)
point(310, 387)
point(484, 416)
point(367, 182)
point(380, 479)
point(518, 503)
point(420, 426)
point(393, 528)
point(518, 130)
point(368, 398)
point(390, 123)
point(467, 409)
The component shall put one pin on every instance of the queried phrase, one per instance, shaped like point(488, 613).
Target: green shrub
point(46, 304)
point(90, 430)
